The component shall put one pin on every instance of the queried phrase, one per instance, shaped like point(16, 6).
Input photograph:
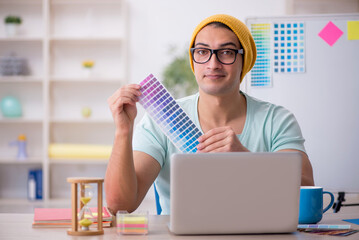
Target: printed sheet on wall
point(280, 50)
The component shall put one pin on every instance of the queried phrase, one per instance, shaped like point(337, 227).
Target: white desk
point(18, 226)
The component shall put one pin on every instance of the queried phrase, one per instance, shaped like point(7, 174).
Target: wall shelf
point(19, 201)
point(19, 121)
point(21, 39)
point(55, 38)
point(89, 39)
point(78, 161)
point(82, 121)
point(86, 2)
point(86, 80)
point(20, 79)
point(29, 161)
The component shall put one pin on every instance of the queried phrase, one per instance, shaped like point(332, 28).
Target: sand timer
point(85, 217)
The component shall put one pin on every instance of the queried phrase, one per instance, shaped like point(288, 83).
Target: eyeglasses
point(225, 56)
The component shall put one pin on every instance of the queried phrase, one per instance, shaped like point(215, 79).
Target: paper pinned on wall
point(353, 30)
point(289, 47)
point(330, 33)
point(280, 49)
point(261, 71)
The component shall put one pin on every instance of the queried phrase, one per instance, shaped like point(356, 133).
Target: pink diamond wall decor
point(330, 33)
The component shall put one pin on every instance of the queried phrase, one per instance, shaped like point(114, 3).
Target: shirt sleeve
point(286, 133)
point(148, 138)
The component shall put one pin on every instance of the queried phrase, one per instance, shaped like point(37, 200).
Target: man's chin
point(214, 91)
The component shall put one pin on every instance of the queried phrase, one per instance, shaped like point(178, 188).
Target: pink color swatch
point(330, 33)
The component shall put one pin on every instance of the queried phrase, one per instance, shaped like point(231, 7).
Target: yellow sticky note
point(353, 30)
point(135, 220)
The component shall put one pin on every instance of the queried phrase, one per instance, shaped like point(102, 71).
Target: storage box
point(13, 66)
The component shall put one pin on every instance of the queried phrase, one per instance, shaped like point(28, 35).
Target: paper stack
point(61, 217)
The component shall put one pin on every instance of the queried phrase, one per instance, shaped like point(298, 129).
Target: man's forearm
point(307, 181)
point(120, 179)
point(307, 171)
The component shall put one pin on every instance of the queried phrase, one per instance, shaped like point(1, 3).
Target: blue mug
point(311, 204)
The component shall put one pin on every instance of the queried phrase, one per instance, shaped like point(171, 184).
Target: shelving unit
point(56, 36)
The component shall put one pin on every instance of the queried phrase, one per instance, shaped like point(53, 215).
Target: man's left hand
point(221, 139)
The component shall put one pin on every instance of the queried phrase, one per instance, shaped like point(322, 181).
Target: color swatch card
point(289, 47)
point(169, 116)
point(323, 226)
point(327, 230)
point(261, 71)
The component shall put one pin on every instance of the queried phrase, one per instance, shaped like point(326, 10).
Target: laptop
point(235, 193)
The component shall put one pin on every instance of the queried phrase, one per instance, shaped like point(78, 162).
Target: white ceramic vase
point(87, 72)
point(12, 29)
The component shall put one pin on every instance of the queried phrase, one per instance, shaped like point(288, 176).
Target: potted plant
point(178, 76)
point(87, 67)
point(12, 24)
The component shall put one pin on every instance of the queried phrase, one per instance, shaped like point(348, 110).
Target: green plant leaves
point(13, 19)
point(179, 78)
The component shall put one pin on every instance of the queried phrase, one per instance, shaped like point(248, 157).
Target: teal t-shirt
point(268, 128)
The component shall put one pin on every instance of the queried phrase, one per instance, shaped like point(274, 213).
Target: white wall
point(158, 24)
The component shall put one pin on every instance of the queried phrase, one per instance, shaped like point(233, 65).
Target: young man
point(222, 51)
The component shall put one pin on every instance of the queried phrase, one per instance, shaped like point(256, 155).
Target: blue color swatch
point(169, 116)
point(288, 47)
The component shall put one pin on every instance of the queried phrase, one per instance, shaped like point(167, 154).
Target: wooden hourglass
point(85, 198)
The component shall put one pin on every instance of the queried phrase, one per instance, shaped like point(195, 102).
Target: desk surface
point(18, 226)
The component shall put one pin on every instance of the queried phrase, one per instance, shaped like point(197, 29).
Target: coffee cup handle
point(331, 201)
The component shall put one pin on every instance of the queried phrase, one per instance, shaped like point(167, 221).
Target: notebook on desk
point(235, 193)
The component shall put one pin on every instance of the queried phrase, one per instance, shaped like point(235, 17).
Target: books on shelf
point(61, 217)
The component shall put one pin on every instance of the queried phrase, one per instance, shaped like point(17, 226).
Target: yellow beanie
point(243, 34)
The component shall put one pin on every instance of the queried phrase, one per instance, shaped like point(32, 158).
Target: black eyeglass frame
point(215, 51)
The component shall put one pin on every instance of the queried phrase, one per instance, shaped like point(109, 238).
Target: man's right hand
point(123, 106)
point(129, 173)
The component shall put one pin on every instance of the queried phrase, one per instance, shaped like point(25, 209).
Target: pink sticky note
point(330, 33)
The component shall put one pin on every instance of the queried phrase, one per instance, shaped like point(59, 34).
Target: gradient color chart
point(169, 116)
point(261, 71)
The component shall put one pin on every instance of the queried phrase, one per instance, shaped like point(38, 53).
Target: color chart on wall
point(169, 116)
point(261, 71)
point(289, 54)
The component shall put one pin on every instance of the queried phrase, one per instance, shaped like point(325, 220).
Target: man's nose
point(213, 62)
